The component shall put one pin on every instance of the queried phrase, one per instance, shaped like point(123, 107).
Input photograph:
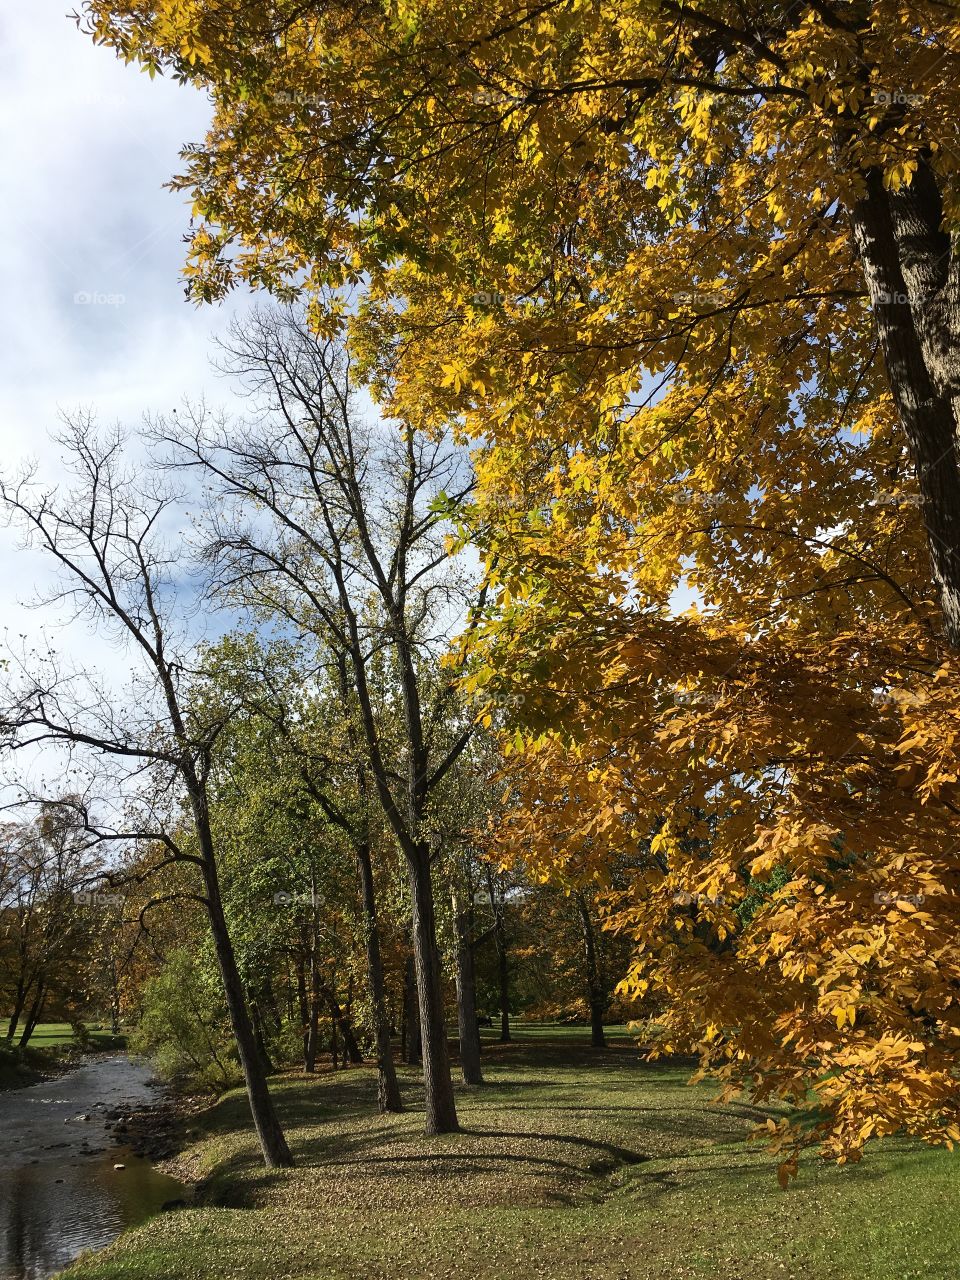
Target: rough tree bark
point(334, 1045)
point(441, 1112)
point(912, 274)
point(276, 1153)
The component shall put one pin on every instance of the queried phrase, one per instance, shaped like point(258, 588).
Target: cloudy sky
point(90, 242)
point(93, 313)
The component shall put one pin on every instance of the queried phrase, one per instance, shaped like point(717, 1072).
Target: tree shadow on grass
point(240, 1182)
point(616, 1155)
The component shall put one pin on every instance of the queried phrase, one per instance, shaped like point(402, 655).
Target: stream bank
point(65, 1183)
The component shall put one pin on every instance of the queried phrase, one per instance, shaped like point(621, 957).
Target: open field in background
point(50, 1034)
point(52, 1044)
point(572, 1163)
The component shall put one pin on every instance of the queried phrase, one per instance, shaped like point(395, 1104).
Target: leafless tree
point(113, 535)
point(334, 521)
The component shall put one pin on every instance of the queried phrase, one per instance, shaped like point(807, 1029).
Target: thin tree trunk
point(33, 1017)
point(388, 1088)
point(304, 1009)
point(503, 958)
point(114, 999)
point(441, 1111)
point(334, 1043)
point(351, 1050)
point(595, 989)
point(313, 1021)
point(258, 1034)
point(269, 1003)
point(466, 987)
point(273, 1144)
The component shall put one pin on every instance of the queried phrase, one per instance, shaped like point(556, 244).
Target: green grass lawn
point(50, 1034)
point(52, 1044)
point(572, 1163)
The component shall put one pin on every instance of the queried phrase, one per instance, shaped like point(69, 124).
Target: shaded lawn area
point(572, 1163)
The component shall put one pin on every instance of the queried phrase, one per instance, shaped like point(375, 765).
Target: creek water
point(59, 1191)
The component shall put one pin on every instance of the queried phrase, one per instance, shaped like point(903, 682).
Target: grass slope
point(572, 1163)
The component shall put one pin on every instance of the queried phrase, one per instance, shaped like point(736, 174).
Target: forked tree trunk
point(273, 1144)
point(912, 274)
point(388, 1088)
point(466, 988)
point(33, 1016)
point(441, 1111)
point(19, 1000)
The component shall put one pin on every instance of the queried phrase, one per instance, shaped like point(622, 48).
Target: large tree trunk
point(596, 994)
point(466, 987)
point(388, 1088)
point(441, 1111)
point(912, 275)
point(273, 1144)
point(503, 958)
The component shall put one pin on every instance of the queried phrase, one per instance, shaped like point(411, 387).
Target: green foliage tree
point(184, 1026)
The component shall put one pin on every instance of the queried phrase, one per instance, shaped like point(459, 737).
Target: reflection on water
point(59, 1191)
point(46, 1222)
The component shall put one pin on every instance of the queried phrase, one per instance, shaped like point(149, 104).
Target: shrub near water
point(182, 1026)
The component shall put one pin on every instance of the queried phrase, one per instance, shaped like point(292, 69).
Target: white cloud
point(87, 146)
